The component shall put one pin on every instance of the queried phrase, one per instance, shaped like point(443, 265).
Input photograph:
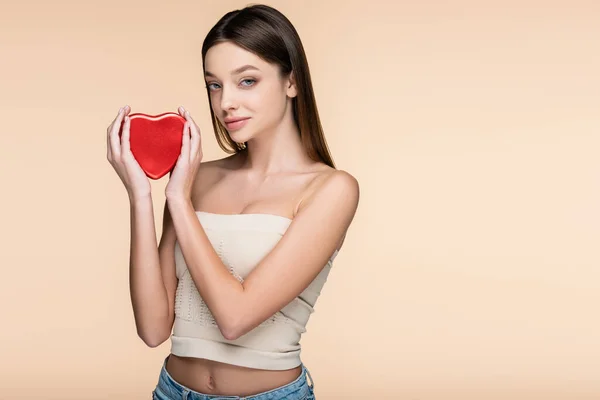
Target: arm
point(152, 277)
point(284, 273)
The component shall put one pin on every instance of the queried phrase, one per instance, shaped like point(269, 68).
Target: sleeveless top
point(242, 241)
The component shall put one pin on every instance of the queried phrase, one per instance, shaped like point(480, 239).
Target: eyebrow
point(235, 71)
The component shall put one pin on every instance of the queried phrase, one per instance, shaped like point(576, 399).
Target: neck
point(276, 151)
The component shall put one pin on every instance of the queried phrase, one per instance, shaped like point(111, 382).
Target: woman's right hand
point(120, 157)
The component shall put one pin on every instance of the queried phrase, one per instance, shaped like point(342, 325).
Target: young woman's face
point(242, 85)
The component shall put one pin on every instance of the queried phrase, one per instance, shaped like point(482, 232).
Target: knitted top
point(242, 241)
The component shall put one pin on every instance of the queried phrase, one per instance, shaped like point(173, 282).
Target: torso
point(222, 187)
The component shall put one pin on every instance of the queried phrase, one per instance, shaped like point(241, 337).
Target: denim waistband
point(171, 389)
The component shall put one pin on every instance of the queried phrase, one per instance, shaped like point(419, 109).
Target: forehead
point(223, 59)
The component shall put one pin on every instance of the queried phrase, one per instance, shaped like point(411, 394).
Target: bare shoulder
point(332, 186)
point(337, 180)
point(212, 171)
point(213, 166)
point(333, 196)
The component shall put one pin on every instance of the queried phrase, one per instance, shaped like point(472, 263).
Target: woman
point(247, 240)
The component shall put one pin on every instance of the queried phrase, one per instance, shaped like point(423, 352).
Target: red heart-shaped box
point(155, 141)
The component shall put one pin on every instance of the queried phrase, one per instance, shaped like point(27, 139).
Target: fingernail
point(121, 109)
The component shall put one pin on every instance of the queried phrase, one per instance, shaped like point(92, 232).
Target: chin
point(241, 140)
point(240, 137)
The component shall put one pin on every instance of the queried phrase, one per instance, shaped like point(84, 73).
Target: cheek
point(254, 100)
point(215, 104)
point(270, 101)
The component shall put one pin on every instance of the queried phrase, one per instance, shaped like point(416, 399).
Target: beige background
point(472, 268)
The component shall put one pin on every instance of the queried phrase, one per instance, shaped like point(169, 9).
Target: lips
point(234, 124)
point(231, 120)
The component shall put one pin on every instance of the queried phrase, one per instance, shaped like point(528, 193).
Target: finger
point(193, 123)
point(114, 135)
point(124, 110)
point(185, 142)
point(181, 111)
point(115, 119)
point(109, 151)
point(188, 116)
point(196, 141)
point(125, 143)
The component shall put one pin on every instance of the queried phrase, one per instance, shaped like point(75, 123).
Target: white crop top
point(241, 241)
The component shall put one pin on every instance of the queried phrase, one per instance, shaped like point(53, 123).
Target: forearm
point(221, 291)
point(148, 293)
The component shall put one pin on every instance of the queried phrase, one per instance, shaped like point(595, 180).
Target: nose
point(228, 100)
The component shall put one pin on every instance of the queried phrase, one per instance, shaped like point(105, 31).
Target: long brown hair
point(266, 32)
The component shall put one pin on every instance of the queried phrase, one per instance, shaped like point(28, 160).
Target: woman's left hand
point(182, 177)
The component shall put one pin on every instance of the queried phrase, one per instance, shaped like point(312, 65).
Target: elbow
point(152, 340)
point(152, 343)
point(231, 333)
point(233, 329)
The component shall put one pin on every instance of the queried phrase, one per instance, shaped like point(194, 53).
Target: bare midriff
point(216, 378)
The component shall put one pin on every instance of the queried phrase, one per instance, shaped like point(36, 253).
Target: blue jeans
point(169, 389)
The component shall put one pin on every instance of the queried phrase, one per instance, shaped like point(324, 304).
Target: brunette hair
point(266, 32)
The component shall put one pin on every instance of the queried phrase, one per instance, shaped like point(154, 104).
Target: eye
point(211, 88)
point(249, 80)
